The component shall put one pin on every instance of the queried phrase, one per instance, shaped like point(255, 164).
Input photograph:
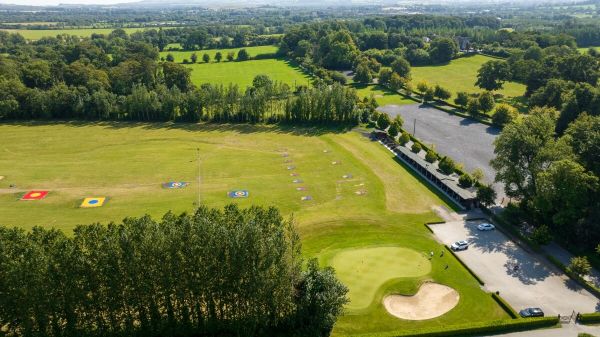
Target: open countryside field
point(584, 50)
point(179, 56)
point(242, 73)
point(36, 34)
point(460, 75)
point(376, 239)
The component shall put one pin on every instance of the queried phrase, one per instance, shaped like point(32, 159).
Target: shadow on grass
point(242, 128)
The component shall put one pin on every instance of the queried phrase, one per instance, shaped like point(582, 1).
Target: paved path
point(464, 140)
point(568, 330)
point(564, 256)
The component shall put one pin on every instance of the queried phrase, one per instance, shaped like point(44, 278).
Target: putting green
point(365, 270)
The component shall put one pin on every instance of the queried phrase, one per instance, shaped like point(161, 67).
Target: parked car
point(486, 227)
point(531, 312)
point(459, 245)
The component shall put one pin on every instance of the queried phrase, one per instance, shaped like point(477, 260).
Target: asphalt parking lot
point(533, 283)
point(464, 140)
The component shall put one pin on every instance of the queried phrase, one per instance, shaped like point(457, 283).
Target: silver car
point(486, 227)
point(460, 245)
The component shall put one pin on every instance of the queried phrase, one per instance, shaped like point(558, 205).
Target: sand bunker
point(432, 300)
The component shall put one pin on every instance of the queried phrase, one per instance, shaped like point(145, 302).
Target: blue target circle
point(93, 202)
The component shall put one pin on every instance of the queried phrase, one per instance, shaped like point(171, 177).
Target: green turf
point(382, 95)
point(461, 75)
point(242, 73)
point(127, 162)
point(365, 270)
point(584, 50)
point(179, 56)
point(36, 34)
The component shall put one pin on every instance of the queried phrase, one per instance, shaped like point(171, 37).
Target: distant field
point(382, 95)
point(585, 49)
point(242, 73)
point(181, 55)
point(461, 75)
point(34, 34)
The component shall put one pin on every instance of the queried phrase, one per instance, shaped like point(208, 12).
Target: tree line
point(227, 272)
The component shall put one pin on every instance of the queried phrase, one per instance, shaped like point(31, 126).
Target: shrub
point(384, 76)
point(473, 106)
point(486, 195)
point(383, 121)
point(441, 93)
point(447, 165)
point(504, 114)
point(465, 180)
point(422, 87)
point(170, 58)
point(396, 82)
point(431, 156)
point(542, 235)
point(591, 318)
point(416, 148)
point(462, 98)
point(243, 55)
point(338, 77)
point(404, 138)
point(393, 130)
point(194, 57)
point(185, 61)
point(428, 96)
point(486, 101)
point(363, 74)
point(580, 266)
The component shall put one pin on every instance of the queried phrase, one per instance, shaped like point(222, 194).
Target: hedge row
point(585, 284)
point(504, 305)
point(479, 280)
point(592, 318)
point(471, 329)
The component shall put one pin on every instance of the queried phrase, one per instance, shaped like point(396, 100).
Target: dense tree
point(243, 55)
point(504, 114)
point(462, 98)
point(383, 121)
point(206, 58)
point(218, 56)
point(177, 75)
point(193, 58)
point(441, 93)
point(442, 50)
point(401, 67)
point(486, 101)
point(363, 74)
point(492, 75)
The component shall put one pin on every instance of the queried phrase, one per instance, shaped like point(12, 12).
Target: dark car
point(531, 312)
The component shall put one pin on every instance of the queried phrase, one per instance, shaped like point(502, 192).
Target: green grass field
point(179, 56)
point(461, 75)
point(36, 34)
point(242, 73)
point(585, 49)
point(378, 236)
point(382, 95)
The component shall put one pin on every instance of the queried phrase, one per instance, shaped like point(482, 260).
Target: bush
point(580, 266)
point(541, 235)
point(504, 305)
point(486, 195)
point(383, 121)
point(486, 101)
point(473, 106)
point(441, 93)
point(393, 130)
point(591, 318)
point(431, 156)
point(404, 138)
point(243, 55)
point(422, 87)
point(504, 114)
point(462, 98)
point(416, 148)
point(447, 165)
point(428, 95)
point(338, 77)
point(465, 180)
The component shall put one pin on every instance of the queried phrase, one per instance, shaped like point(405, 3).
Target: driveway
point(533, 283)
point(464, 140)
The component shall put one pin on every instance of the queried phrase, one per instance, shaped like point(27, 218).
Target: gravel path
point(465, 140)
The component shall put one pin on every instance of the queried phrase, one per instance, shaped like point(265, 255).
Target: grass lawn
point(382, 95)
point(377, 241)
point(242, 73)
point(584, 50)
point(181, 55)
point(36, 34)
point(461, 75)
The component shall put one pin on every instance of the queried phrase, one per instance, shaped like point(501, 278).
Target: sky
point(56, 2)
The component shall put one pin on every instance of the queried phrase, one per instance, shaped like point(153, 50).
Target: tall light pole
point(198, 183)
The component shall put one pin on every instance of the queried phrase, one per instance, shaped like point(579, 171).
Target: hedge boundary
point(505, 305)
point(501, 326)
point(592, 318)
point(479, 280)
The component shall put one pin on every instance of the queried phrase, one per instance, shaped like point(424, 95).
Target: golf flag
point(35, 195)
point(93, 202)
point(306, 198)
point(239, 194)
point(175, 184)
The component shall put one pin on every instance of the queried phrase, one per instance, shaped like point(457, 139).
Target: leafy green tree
point(398, 121)
point(583, 138)
point(492, 75)
point(243, 55)
point(404, 138)
point(504, 114)
point(462, 99)
point(441, 93)
point(177, 75)
point(541, 235)
point(170, 58)
point(206, 58)
point(422, 87)
point(442, 50)
point(393, 130)
point(465, 180)
point(486, 195)
point(230, 56)
point(385, 76)
point(218, 56)
point(416, 148)
point(194, 58)
point(477, 175)
point(473, 106)
point(396, 82)
point(401, 67)
point(447, 165)
point(429, 95)
point(580, 266)
point(486, 101)
point(363, 74)
point(383, 121)
point(523, 150)
point(431, 156)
